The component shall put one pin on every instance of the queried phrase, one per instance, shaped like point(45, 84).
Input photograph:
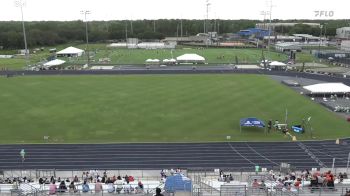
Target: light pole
point(270, 29)
point(86, 12)
point(20, 3)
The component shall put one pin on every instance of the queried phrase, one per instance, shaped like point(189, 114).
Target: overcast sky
point(63, 10)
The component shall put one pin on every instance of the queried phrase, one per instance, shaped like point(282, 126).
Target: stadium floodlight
point(86, 12)
point(21, 4)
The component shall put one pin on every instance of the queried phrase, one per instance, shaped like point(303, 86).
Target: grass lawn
point(138, 56)
point(152, 108)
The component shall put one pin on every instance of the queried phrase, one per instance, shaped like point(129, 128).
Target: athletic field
point(153, 108)
point(119, 56)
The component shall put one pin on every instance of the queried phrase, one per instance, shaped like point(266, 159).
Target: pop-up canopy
point(251, 122)
point(328, 88)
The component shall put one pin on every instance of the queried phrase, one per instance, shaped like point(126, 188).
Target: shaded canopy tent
point(169, 61)
point(54, 63)
point(178, 182)
point(277, 65)
point(70, 52)
point(190, 58)
point(251, 122)
point(152, 61)
point(328, 88)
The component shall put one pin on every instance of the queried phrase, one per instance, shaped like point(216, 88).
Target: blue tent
point(251, 122)
point(178, 182)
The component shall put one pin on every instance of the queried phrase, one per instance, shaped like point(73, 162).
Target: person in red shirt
point(255, 184)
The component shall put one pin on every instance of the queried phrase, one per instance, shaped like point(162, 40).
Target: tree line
point(49, 33)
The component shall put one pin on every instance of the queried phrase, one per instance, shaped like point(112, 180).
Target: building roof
point(328, 88)
point(55, 62)
point(190, 57)
point(306, 36)
point(283, 37)
point(71, 50)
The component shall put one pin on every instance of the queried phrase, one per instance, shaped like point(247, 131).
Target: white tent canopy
point(53, 63)
point(328, 88)
point(276, 63)
point(190, 58)
point(152, 61)
point(102, 67)
point(70, 51)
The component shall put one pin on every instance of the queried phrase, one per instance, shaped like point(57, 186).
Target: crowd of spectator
point(293, 180)
point(225, 177)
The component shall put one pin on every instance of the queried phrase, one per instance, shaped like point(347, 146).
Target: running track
point(238, 155)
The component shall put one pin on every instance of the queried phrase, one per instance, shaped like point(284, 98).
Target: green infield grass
point(139, 56)
point(153, 108)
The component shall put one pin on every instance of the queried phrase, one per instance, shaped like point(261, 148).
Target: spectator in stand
point(108, 181)
point(119, 184)
point(255, 184)
point(297, 183)
point(139, 188)
point(110, 187)
point(162, 173)
point(231, 178)
point(262, 185)
point(103, 179)
point(62, 187)
point(52, 179)
point(85, 187)
point(279, 185)
point(341, 177)
point(292, 176)
point(98, 186)
point(76, 179)
point(41, 182)
point(126, 179)
point(72, 188)
point(158, 192)
point(52, 188)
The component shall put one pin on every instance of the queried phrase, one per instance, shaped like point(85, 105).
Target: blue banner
point(252, 122)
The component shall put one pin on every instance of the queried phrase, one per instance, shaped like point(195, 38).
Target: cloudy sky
point(63, 10)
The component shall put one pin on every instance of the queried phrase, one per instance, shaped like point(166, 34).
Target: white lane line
point(240, 154)
point(261, 154)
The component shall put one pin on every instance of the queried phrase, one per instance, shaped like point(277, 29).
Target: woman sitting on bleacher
point(72, 188)
point(52, 188)
point(62, 188)
point(110, 187)
point(98, 186)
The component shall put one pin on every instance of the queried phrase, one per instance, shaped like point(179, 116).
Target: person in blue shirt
point(86, 187)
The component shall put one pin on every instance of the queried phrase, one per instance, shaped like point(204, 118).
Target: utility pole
point(86, 12)
point(270, 28)
point(207, 29)
point(131, 28)
point(319, 43)
point(181, 28)
point(154, 25)
point(20, 3)
point(126, 32)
